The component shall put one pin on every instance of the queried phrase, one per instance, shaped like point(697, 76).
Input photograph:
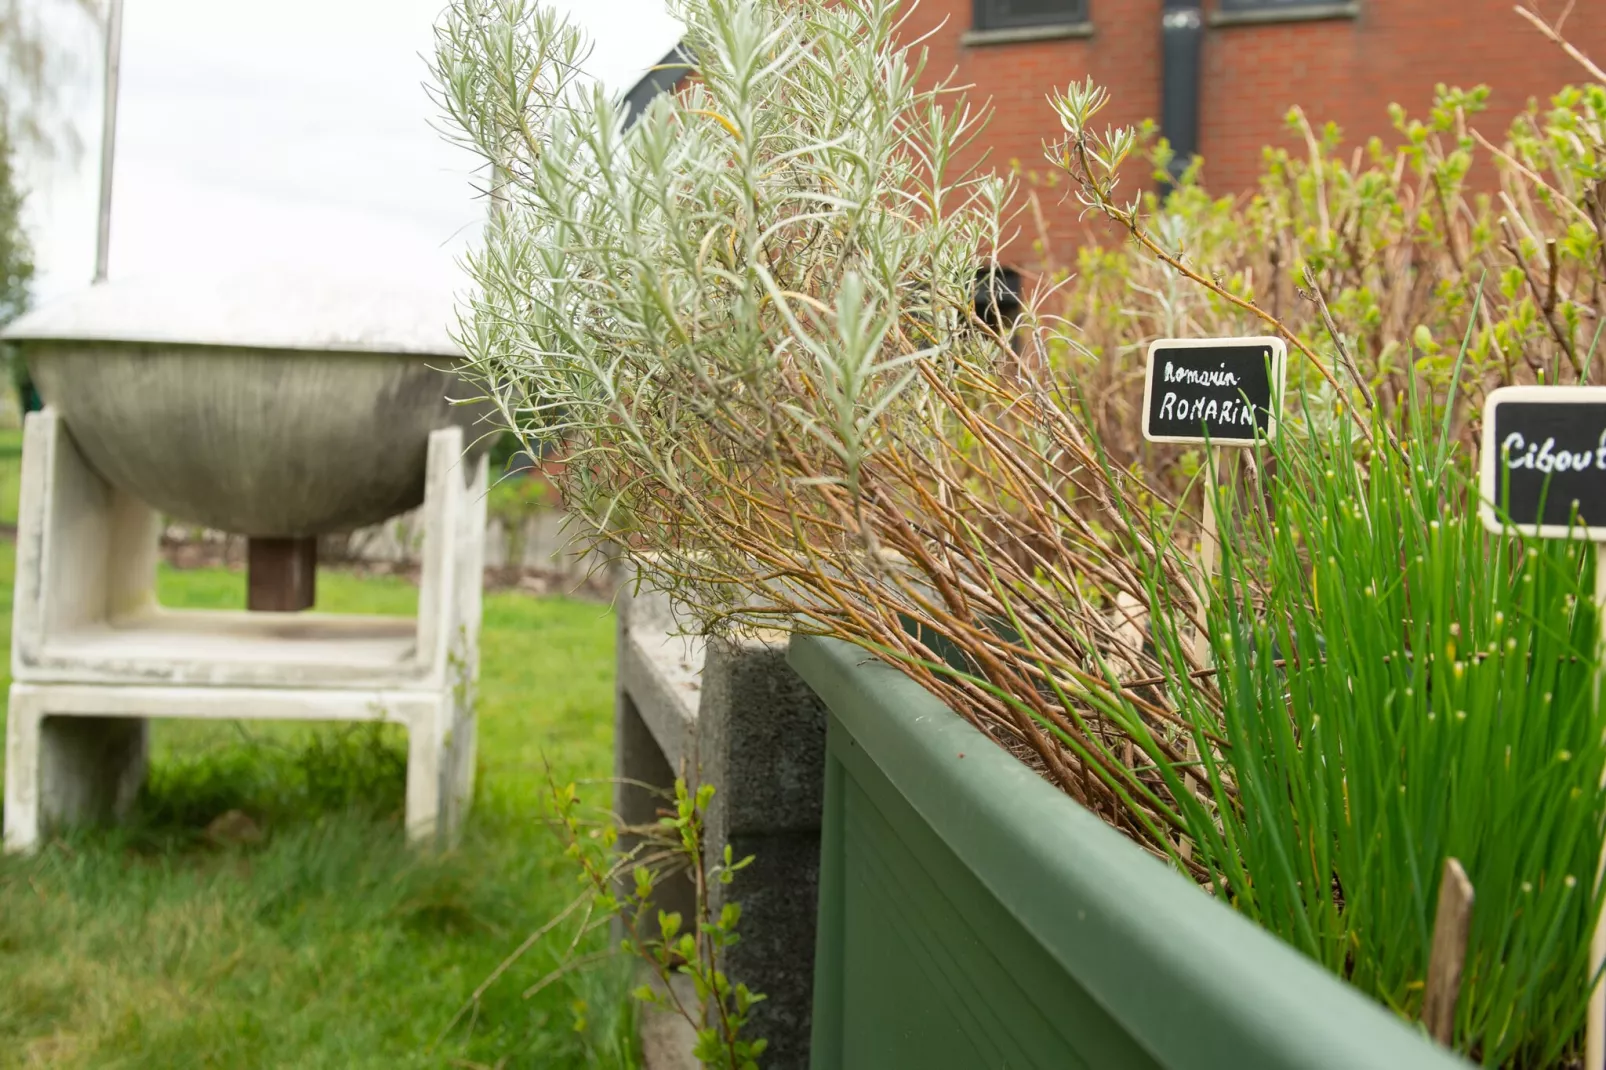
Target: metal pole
point(108, 136)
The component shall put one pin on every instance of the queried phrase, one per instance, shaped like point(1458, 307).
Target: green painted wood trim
point(929, 972)
point(1192, 982)
point(825, 1028)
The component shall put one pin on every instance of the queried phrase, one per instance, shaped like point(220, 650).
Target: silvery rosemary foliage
point(754, 270)
point(750, 321)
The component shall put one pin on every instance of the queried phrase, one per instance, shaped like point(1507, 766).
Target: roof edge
point(661, 77)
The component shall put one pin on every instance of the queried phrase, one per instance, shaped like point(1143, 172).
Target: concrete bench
point(94, 657)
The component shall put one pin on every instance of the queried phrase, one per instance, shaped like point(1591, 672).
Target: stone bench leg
point(67, 770)
point(441, 748)
point(450, 605)
point(761, 741)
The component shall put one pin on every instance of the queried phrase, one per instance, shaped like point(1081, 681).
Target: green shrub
point(1402, 240)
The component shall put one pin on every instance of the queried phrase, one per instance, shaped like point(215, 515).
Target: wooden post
point(1209, 551)
point(1452, 924)
point(281, 574)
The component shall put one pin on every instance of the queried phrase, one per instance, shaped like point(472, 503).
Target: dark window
point(1007, 14)
point(1271, 5)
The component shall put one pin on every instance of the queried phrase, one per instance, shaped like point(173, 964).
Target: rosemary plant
point(752, 322)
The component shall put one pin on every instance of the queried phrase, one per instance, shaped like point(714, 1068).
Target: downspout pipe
point(1182, 43)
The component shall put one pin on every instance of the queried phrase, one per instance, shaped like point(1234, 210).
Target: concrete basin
point(264, 406)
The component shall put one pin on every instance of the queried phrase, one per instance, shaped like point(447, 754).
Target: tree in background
point(16, 254)
point(36, 71)
point(16, 269)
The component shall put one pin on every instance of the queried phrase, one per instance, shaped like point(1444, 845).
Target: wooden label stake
point(1452, 926)
point(1209, 546)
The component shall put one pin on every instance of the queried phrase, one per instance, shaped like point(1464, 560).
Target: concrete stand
point(94, 656)
point(735, 716)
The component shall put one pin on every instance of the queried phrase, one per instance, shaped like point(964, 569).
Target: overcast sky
point(279, 132)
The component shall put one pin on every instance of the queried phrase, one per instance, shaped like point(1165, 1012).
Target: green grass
point(10, 472)
point(328, 943)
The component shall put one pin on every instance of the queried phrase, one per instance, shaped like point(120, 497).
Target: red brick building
point(1252, 59)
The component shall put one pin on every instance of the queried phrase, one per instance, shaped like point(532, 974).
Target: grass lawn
point(325, 942)
point(10, 472)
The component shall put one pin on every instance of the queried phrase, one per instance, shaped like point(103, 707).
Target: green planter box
point(971, 915)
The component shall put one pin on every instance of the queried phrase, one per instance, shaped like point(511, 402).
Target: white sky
point(255, 133)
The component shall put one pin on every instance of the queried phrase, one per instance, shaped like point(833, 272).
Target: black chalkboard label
point(1543, 467)
point(1227, 391)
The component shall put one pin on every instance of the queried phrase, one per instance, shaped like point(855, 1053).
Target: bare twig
point(1344, 357)
point(1553, 34)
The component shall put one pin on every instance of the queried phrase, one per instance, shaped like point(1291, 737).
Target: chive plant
point(1398, 686)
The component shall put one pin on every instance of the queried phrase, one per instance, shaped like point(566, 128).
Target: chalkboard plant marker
point(1542, 472)
point(1215, 392)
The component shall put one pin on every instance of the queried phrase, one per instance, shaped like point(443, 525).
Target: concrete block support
point(94, 656)
point(735, 716)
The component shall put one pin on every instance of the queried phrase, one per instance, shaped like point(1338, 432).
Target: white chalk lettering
point(1517, 452)
point(1511, 447)
point(1201, 376)
point(1170, 403)
point(1546, 461)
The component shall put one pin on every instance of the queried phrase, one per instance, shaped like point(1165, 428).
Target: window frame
point(1237, 7)
point(987, 15)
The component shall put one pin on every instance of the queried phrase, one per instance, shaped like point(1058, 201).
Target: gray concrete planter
point(973, 916)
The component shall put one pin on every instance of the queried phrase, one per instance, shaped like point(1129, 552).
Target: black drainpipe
point(1182, 39)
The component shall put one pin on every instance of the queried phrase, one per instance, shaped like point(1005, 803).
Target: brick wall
point(1346, 70)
